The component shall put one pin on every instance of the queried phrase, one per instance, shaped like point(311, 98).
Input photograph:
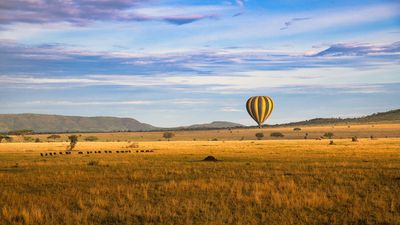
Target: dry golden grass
point(257, 182)
point(340, 131)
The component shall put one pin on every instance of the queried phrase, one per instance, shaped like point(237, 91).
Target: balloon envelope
point(260, 108)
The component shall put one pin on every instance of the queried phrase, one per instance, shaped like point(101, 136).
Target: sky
point(172, 63)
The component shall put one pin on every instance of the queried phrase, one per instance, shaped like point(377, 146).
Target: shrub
point(168, 135)
point(214, 139)
point(5, 137)
point(91, 138)
point(328, 135)
point(277, 134)
point(259, 135)
point(93, 163)
point(27, 138)
point(37, 140)
point(297, 129)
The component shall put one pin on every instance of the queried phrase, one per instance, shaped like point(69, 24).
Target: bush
point(328, 135)
point(37, 140)
point(91, 138)
point(29, 139)
point(168, 135)
point(297, 129)
point(5, 137)
point(259, 135)
point(277, 134)
point(214, 139)
point(93, 163)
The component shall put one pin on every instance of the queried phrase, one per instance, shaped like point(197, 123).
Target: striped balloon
point(259, 108)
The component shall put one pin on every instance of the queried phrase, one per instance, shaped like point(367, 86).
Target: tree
point(5, 137)
point(328, 135)
point(73, 140)
point(259, 135)
point(277, 134)
point(54, 137)
point(168, 135)
point(20, 132)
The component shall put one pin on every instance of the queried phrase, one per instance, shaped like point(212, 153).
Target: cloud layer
point(82, 12)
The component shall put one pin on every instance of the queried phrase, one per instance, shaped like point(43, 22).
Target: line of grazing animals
point(91, 152)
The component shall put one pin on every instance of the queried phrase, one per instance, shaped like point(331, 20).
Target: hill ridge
point(41, 123)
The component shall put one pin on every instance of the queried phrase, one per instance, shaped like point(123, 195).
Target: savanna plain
point(289, 180)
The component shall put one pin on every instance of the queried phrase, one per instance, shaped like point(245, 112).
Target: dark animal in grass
point(331, 142)
point(354, 139)
point(147, 150)
point(141, 150)
point(60, 153)
point(51, 154)
point(80, 153)
point(151, 150)
point(117, 151)
point(99, 152)
point(137, 151)
point(54, 153)
point(109, 151)
point(129, 151)
point(210, 158)
point(41, 154)
point(45, 154)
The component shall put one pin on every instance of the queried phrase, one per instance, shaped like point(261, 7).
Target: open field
point(340, 131)
point(257, 182)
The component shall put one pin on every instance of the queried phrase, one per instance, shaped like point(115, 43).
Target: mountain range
point(42, 123)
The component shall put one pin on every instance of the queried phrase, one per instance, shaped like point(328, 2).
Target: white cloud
point(354, 80)
point(230, 109)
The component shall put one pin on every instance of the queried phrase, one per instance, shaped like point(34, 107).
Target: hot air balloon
point(259, 108)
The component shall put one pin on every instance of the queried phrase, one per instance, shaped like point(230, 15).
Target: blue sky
point(172, 63)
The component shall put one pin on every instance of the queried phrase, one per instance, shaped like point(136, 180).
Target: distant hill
point(389, 116)
point(41, 123)
point(56, 123)
point(212, 125)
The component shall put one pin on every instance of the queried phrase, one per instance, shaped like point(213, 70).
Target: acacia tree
point(259, 135)
point(168, 135)
point(54, 137)
point(73, 140)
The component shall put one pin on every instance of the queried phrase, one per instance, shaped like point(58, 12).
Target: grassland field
point(340, 131)
point(285, 181)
